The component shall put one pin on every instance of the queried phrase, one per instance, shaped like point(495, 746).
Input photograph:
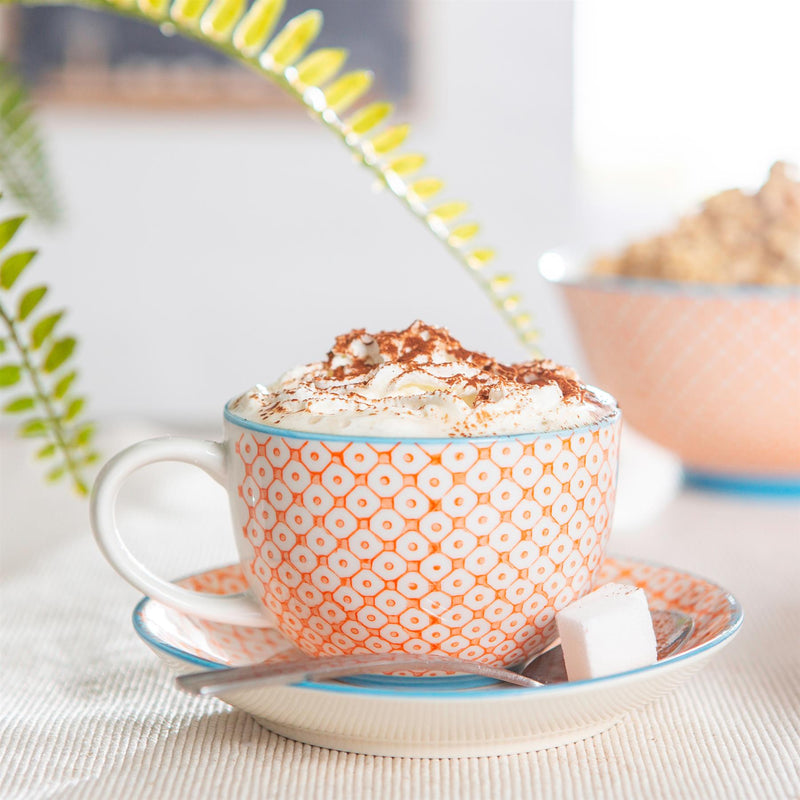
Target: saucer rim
point(462, 692)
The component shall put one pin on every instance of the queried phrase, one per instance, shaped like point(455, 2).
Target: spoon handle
point(306, 668)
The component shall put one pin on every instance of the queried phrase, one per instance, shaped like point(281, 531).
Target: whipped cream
point(420, 382)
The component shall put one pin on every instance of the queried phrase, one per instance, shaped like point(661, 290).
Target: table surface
point(88, 712)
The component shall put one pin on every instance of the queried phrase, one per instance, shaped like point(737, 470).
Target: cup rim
point(576, 274)
point(289, 433)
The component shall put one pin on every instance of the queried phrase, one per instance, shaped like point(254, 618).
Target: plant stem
point(42, 397)
point(326, 117)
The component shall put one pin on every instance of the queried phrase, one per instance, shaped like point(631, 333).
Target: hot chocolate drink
point(420, 382)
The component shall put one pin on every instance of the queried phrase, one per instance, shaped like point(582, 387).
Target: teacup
point(462, 546)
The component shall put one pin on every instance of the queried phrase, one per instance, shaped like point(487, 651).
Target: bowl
point(711, 372)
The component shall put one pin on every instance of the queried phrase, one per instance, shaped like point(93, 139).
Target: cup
point(353, 544)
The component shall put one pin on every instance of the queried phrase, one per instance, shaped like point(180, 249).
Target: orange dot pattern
point(461, 548)
point(236, 645)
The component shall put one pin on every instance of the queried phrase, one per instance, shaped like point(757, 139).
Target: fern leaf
point(10, 374)
point(449, 211)
point(188, 12)
point(321, 66)
point(499, 283)
point(220, 19)
point(155, 9)
point(13, 266)
point(63, 384)
point(254, 30)
point(463, 233)
point(390, 139)
point(19, 405)
point(24, 171)
point(426, 188)
point(43, 328)
point(342, 93)
point(8, 228)
point(57, 417)
point(290, 43)
point(478, 259)
point(248, 41)
point(59, 353)
point(407, 165)
point(368, 118)
point(29, 301)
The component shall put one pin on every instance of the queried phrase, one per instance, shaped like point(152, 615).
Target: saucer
point(441, 717)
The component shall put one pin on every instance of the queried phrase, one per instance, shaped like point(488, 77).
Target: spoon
point(672, 629)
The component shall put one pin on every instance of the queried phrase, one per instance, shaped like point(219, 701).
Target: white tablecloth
point(86, 711)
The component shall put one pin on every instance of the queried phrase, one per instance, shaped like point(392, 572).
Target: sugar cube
point(607, 631)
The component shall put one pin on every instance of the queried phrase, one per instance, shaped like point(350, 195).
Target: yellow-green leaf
point(156, 9)
point(342, 93)
point(463, 233)
point(30, 300)
point(523, 320)
point(252, 32)
point(47, 451)
point(478, 259)
point(449, 211)
point(63, 384)
point(8, 227)
point(122, 3)
point(187, 12)
point(321, 66)
point(531, 336)
point(19, 405)
point(43, 328)
point(56, 473)
point(500, 282)
point(10, 374)
point(2, 345)
point(427, 187)
point(369, 117)
point(83, 436)
point(12, 267)
point(220, 19)
point(59, 353)
point(293, 40)
point(74, 408)
point(408, 164)
point(34, 427)
point(12, 100)
point(390, 138)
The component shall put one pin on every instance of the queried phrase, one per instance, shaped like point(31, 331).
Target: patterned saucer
point(445, 716)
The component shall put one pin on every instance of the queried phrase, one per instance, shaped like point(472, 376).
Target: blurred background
point(213, 235)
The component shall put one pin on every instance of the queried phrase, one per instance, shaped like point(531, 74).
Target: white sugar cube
point(607, 631)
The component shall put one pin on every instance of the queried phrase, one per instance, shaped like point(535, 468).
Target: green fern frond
point(35, 366)
point(248, 36)
point(24, 173)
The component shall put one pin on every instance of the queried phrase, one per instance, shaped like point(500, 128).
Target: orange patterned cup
point(461, 546)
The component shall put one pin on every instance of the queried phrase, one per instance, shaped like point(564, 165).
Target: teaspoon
point(672, 629)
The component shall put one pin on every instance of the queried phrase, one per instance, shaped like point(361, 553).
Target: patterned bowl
point(709, 372)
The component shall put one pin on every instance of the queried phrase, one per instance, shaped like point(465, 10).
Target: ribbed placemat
point(87, 712)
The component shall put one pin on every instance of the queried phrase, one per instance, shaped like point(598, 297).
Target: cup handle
point(236, 609)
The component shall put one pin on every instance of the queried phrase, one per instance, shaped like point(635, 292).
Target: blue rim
point(461, 691)
point(751, 485)
point(286, 433)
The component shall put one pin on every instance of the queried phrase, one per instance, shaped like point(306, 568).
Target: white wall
point(201, 254)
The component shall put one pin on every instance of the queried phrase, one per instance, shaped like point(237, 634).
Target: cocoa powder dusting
point(421, 344)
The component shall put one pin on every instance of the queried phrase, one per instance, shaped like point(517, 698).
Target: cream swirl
point(420, 382)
